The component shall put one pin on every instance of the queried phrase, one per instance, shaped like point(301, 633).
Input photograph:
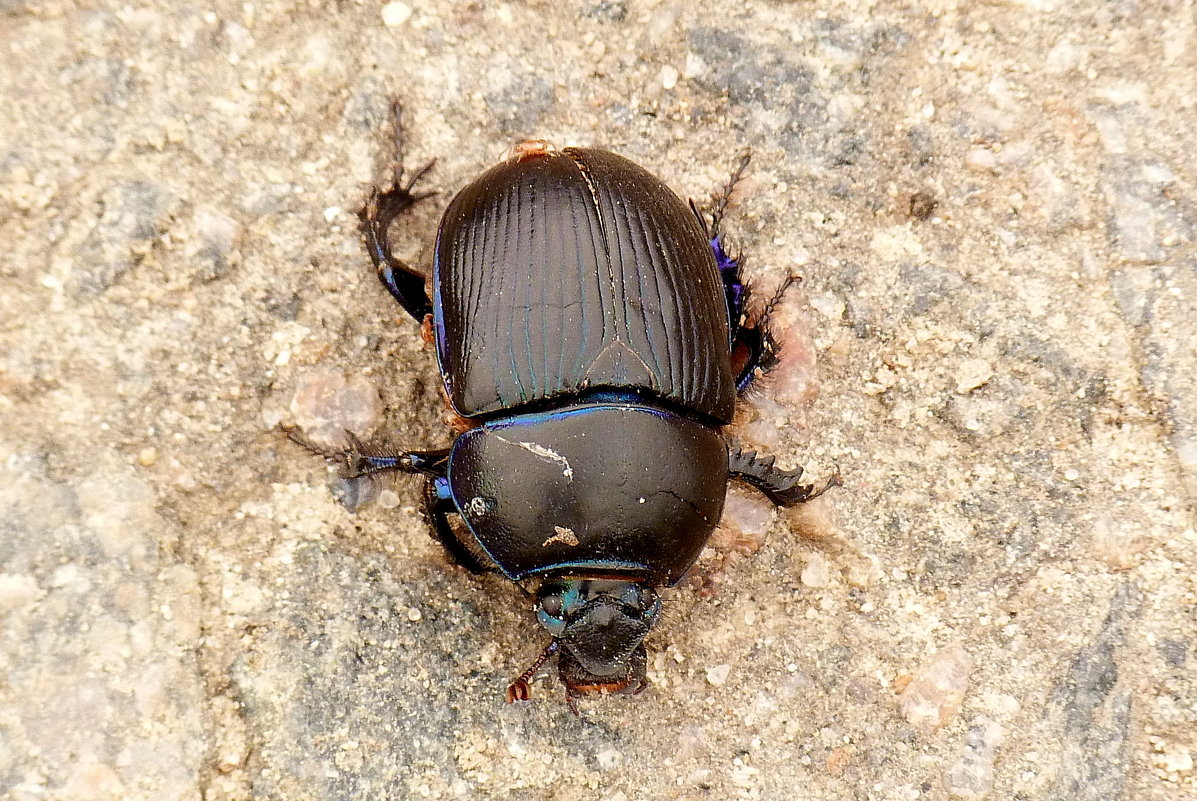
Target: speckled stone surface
point(994, 207)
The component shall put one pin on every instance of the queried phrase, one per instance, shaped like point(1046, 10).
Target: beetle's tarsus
point(783, 487)
point(359, 459)
point(415, 178)
point(731, 267)
point(790, 280)
point(720, 199)
point(382, 207)
point(520, 689)
point(756, 350)
point(398, 185)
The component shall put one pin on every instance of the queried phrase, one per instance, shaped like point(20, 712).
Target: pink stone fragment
point(326, 405)
point(746, 516)
point(936, 692)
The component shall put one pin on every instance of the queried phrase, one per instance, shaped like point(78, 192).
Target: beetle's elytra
point(593, 336)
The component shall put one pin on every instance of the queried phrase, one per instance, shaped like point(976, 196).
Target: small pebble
point(816, 572)
point(863, 572)
point(830, 306)
point(147, 456)
point(669, 76)
point(971, 374)
point(1138, 220)
point(1116, 543)
point(395, 14)
point(981, 159)
point(1175, 758)
point(17, 590)
point(839, 759)
point(717, 674)
point(219, 232)
point(746, 517)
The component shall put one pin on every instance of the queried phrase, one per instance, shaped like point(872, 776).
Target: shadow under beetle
point(593, 334)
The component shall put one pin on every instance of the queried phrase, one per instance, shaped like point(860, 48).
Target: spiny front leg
point(783, 487)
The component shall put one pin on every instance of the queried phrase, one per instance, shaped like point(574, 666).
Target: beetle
point(593, 334)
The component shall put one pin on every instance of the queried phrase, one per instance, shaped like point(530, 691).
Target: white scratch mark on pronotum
point(548, 454)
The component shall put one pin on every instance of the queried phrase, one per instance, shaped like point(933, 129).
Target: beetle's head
point(600, 625)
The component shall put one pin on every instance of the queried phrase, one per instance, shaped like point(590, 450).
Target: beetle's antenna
point(519, 690)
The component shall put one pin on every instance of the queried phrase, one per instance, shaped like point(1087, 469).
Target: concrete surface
point(993, 204)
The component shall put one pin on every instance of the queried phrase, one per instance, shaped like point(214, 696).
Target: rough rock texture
point(994, 206)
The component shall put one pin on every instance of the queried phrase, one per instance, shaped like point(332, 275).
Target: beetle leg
point(381, 209)
point(358, 459)
point(753, 346)
point(755, 351)
point(520, 689)
point(721, 198)
point(571, 700)
point(437, 507)
point(780, 486)
point(730, 267)
point(735, 291)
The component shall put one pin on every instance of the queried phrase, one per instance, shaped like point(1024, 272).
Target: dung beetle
point(593, 335)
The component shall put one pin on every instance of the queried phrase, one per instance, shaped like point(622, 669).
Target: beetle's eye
point(649, 604)
point(642, 599)
point(551, 614)
point(552, 605)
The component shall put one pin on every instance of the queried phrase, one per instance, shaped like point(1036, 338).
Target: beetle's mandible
point(593, 335)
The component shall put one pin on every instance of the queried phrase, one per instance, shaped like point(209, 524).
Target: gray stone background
point(993, 206)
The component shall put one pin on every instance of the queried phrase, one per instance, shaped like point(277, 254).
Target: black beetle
point(593, 335)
